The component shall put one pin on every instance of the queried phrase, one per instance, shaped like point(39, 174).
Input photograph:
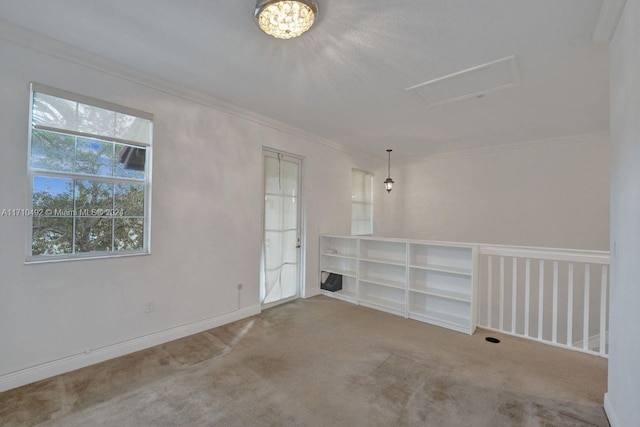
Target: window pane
point(52, 236)
point(132, 128)
point(130, 161)
point(130, 199)
point(361, 197)
point(368, 178)
point(272, 173)
point(129, 234)
point(357, 186)
point(361, 212)
point(67, 115)
point(52, 151)
point(289, 178)
point(55, 112)
point(94, 157)
point(93, 195)
point(93, 234)
point(52, 194)
point(96, 121)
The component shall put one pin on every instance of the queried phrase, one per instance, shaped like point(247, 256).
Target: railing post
point(603, 310)
point(585, 324)
point(501, 293)
point(489, 291)
point(514, 294)
point(540, 299)
point(554, 328)
point(570, 307)
point(527, 295)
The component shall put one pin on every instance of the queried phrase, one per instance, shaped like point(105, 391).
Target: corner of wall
point(609, 412)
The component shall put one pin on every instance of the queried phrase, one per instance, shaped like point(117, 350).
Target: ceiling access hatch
point(473, 82)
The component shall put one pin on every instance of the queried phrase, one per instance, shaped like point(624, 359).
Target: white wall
point(206, 224)
point(552, 193)
point(621, 401)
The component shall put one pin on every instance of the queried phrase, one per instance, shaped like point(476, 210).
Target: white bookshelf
point(382, 278)
point(432, 282)
point(384, 251)
point(441, 287)
point(339, 255)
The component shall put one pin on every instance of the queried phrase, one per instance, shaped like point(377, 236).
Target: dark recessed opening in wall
point(493, 340)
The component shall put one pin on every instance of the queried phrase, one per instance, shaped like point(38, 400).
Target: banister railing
point(555, 296)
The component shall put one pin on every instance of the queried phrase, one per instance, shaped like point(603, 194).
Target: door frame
point(300, 289)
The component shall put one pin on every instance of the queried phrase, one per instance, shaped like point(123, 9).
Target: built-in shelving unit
point(432, 282)
point(339, 255)
point(441, 288)
point(383, 275)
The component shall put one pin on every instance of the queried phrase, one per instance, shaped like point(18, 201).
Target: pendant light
point(286, 19)
point(388, 183)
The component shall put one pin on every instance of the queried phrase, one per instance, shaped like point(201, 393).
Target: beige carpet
point(322, 362)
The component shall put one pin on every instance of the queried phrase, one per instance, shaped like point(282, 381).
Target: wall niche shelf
point(432, 282)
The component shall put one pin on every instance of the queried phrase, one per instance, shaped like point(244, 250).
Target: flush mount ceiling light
point(388, 183)
point(284, 19)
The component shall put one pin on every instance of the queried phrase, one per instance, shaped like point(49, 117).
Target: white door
point(281, 240)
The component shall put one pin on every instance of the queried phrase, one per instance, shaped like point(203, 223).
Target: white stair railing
point(554, 296)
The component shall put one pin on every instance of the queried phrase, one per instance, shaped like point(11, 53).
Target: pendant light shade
point(388, 183)
point(286, 19)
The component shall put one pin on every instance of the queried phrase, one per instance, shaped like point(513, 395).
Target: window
point(89, 173)
point(361, 203)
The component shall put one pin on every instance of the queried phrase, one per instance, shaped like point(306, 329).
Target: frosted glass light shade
point(388, 184)
point(284, 19)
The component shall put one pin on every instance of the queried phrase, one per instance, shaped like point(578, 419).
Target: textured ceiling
point(344, 80)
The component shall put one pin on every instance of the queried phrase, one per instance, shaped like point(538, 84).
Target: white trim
point(598, 137)
point(569, 255)
point(313, 292)
point(93, 356)
point(48, 46)
point(610, 413)
point(541, 341)
point(608, 19)
point(48, 259)
point(593, 341)
point(279, 302)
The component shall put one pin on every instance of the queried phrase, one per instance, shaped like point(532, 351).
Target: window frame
point(33, 172)
point(370, 204)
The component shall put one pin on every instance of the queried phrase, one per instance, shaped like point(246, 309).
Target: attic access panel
point(472, 82)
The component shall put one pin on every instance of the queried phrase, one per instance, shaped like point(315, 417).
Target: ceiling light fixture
point(284, 19)
point(388, 183)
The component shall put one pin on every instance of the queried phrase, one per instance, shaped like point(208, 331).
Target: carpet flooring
point(322, 362)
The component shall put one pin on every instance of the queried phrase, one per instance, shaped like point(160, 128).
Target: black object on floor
point(493, 340)
point(332, 283)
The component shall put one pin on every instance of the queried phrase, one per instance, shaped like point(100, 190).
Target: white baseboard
point(311, 293)
point(77, 361)
point(608, 409)
point(594, 341)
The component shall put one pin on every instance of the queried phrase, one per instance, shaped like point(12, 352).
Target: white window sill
point(47, 260)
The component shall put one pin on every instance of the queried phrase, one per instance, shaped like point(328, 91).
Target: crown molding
point(608, 19)
point(594, 137)
point(21, 36)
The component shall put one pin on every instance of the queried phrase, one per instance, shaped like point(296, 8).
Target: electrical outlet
point(239, 286)
point(149, 307)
